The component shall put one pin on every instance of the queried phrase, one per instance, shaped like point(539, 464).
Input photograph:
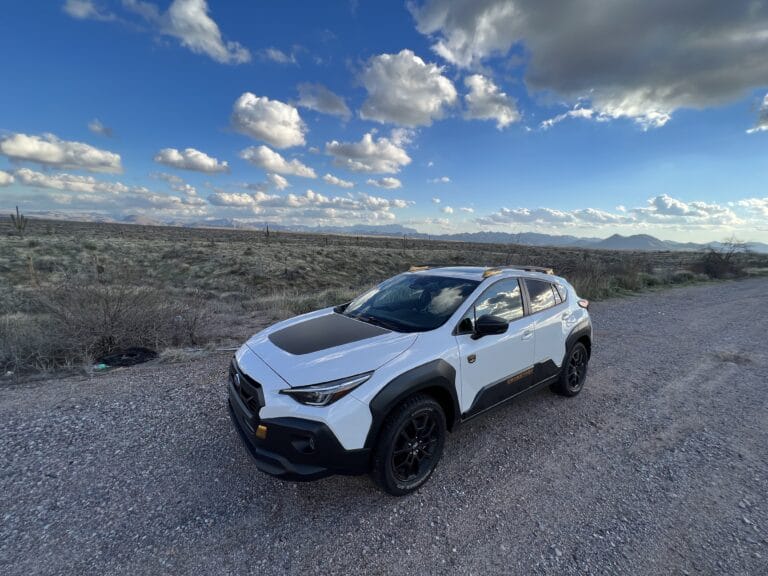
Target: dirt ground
point(660, 466)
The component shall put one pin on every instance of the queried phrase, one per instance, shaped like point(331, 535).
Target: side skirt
point(472, 412)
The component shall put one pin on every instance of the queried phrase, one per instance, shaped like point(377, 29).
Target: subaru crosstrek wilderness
point(373, 385)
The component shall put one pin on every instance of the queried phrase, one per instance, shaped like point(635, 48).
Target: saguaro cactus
point(19, 222)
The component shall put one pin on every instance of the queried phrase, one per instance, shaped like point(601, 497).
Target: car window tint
point(558, 298)
point(541, 293)
point(503, 299)
point(560, 289)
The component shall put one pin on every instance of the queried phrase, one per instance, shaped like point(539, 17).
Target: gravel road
point(660, 466)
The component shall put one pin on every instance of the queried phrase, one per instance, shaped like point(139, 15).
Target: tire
point(409, 446)
point(574, 371)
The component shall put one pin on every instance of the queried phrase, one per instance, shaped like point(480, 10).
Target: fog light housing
point(304, 444)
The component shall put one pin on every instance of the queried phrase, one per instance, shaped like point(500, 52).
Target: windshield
point(410, 302)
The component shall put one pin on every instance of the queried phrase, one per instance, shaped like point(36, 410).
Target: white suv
point(373, 385)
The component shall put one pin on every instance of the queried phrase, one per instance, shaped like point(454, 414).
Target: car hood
point(324, 346)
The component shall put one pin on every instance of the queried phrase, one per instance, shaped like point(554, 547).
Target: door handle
point(527, 334)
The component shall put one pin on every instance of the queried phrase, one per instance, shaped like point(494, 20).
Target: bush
point(682, 277)
point(81, 319)
point(26, 345)
point(716, 264)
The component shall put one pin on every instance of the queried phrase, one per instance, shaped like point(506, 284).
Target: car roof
point(480, 273)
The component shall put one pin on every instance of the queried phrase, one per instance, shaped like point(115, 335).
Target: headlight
point(327, 392)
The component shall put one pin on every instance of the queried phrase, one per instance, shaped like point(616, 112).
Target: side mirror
point(465, 327)
point(489, 325)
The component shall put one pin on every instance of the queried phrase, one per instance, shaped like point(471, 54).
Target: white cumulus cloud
point(447, 210)
point(52, 151)
point(660, 210)
point(190, 23)
point(403, 89)
point(312, 206)
point(440, 180)
point(276, 123)
point(757, 205)
point(485, 101)
point(331, 179)
point(278, 181)
point(190, 159)
point(577, 112)
point(387, 182)
point(271, 161)
point(6, 178)
point(231, 199)
point(762, 118)
point(375, 155)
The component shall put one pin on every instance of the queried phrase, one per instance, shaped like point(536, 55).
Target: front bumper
point(292, 448)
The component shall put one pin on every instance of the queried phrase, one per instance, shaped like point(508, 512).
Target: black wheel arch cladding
point(583, 334)
point(437, 378)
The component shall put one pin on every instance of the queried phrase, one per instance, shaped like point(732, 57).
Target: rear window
point(542, 294)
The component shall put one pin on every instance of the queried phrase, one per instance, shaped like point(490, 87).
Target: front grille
point(247, 388)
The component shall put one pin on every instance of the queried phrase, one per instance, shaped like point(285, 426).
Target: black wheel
point(574, 371)
point(409, 446)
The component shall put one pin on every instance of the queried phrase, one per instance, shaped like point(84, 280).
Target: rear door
point(495, 367)
point(551, 316)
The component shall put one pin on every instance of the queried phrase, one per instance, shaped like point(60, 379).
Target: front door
point(495, 367)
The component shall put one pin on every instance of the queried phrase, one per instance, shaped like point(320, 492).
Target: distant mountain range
point(643, 242)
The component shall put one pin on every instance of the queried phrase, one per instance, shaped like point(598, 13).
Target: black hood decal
point(323, 332)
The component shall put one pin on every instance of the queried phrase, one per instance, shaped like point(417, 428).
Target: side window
point(562, 292)
point(542, 294)
point(502, 299)
point(558, 295)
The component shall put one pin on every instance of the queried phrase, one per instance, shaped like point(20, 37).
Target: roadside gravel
point(659, 467)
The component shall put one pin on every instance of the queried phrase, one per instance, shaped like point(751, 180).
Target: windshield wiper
point(378, 322)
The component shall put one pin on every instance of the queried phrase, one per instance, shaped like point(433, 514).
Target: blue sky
point(441, 116)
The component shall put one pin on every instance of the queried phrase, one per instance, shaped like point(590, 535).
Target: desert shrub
point(81, 318)
point(682, 277)
point(647, 280)
point(190, 314)
point(718, 264)
point(589, 277)
point(26, 345)
point(12, 300)
point(94, 319)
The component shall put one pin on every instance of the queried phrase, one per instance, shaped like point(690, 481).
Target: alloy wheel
point(415, 446)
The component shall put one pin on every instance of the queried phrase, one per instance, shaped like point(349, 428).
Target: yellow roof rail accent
point(418, 268)
point(491, 272)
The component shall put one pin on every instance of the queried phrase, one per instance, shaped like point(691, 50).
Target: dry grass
point(70, 291)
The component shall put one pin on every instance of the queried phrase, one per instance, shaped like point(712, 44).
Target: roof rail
point(499, 269)
point(419, 268)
